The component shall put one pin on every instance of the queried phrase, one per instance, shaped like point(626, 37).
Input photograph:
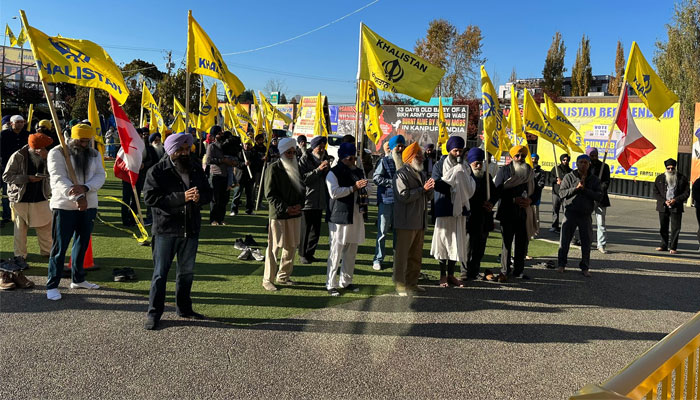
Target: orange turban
point(39, 141)
point(410, 152)
point(515, 150)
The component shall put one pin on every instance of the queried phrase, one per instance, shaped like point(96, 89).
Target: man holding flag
point(74, 205)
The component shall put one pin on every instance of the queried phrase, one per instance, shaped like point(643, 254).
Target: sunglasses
point(519, 156)
point(670, 168)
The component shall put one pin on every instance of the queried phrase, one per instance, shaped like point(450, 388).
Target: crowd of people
point(54, 190)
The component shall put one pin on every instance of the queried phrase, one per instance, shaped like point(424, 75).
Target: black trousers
point(310, 232)
point(515, 228)
point(585, 231)
point(556, 206)
point(244, 186)
point(697, 215)
point(219, 198)
point(476, 242)
point(669, 242)
point(128, 198)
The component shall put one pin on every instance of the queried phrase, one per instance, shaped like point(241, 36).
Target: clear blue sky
point(516, 33)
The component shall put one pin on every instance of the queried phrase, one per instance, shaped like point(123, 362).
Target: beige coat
point(410, 200)
point(15, 175)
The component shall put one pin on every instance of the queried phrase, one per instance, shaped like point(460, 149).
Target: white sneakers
point(53, 294)
point(377, 266)
point(84, 285)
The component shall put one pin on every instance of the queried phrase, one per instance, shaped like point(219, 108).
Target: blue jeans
point(69, 224)
point(164, 250)
point(600, 226)
point(385, 220)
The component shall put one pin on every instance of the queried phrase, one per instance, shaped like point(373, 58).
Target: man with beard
point(301, 146)
point(558, 174)
point(218, 172)
point(671, 190)
point(74, 205)
point(346, 225)
point(11, 140)
point(154, 141)
point(602, 205)
point(285, 195)
point(245, 185)
point(29, 191)
point(579, 190)
point(412, 194)
point(176, 188)
point(454, 187)
point(383, 177)
point(515, 184)
point(480, 221)
point(313, 167)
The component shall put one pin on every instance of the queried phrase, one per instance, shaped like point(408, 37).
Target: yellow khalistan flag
point(273, 111)
point(494, 126)
point(563, 126)
point(320, 127)
point(10, 35)
point(208, 111)
point(516, 123)
point(149, 103)
point(94, 118)
point(649, 87)
point(538, 124)
point(369, 98)
point(178, 108)
point(205, 59)
point(258, 115)
point(394, 69)
point(80, 62)
point(178, 124)
point(443, 135)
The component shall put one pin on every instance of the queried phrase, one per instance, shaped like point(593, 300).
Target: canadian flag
point(129, 157)
point(633, 145)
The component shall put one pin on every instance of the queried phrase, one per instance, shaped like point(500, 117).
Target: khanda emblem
point(77, 57)
point(489, 108)
point(206, 109)
point(217, 59)
point(393, 70)
point(643, 88)
point(372, 98)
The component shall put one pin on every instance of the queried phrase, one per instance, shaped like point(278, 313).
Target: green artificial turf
point(226, 288)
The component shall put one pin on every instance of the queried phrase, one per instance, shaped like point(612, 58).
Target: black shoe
point(352, 288)
point(249, 212)
point(304, 260)
point(333, 292)
point(249, 241)
point(151, 324)
point(191, 315)
point(523, 277)
point(239, 245)
point(311, 259)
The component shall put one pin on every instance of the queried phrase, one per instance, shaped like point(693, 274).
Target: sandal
point(454, 281)
point(443, 282)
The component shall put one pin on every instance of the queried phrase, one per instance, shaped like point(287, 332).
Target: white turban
point(286, 144)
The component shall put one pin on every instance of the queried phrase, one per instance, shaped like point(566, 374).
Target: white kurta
point(450, 233)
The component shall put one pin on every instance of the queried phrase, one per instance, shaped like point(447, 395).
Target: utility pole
point(170, 65)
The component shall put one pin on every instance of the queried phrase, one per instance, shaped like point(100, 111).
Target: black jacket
point(480, 220)
point(507, 209)
point(539, 184)
point(581, 201)
point(314, 181)
point(563, 170)
point(442, 197)
point(164, 192)
point(681, 193)
point(696, 193)
point(604, 180)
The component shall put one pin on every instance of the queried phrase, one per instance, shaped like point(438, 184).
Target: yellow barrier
point(670, 368)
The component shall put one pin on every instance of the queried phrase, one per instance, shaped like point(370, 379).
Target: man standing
point(46, 127)
point(218, 173)
point(579, 191)
point(74, 205)
point(11, 140)
point(301, 146)
point(558, 174)
point(346, 224)
point(602, 205)
point(515, 184)
point(383, 177)
point(29, 190)
point(412, 194)
point(539, 186)
point(696, 204)
point(313, 167)
point(430, 158)
point(480, 221)
point(154, 141)
point(671, 190)
point(253, 166)
point(454, 187)
point(284, 192)
point(176, 188)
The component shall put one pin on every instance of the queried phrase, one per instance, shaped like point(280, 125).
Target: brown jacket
point(410, 200)
point(15, 175)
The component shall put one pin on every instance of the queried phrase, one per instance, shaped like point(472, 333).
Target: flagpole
point(486, 164)
point(52, 109)
point(556, 168)
point(361, 138)
point(187, 100)
point(258, 200)
point(611, 128)
point(138, 203)
point(142, 93)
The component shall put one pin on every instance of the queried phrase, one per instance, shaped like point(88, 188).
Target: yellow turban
point(410, 152)
point(82, 131)
point(46, 124)
point(515, 150)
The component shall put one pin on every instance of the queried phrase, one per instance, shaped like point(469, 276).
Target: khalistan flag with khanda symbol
point(394, 69)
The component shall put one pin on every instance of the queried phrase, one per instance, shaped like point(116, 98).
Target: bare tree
point(275, 85)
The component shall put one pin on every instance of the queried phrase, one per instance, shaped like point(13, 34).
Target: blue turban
point(454, 142)
point(153, 137)
point(346, 150)
point(215, 130)
point(317, 141)
point(535, 155)
point(398, 139)
point(583, 157)
point(177, 140)
point(475, 154)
